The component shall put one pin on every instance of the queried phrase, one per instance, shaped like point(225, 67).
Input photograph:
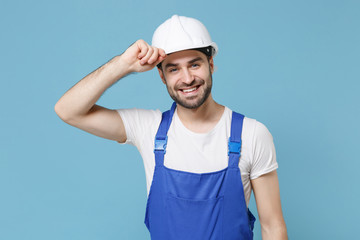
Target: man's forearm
point(275, 232)
point(82, 96)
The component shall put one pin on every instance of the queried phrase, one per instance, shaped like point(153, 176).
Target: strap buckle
point(160, 144)
point(234, 147)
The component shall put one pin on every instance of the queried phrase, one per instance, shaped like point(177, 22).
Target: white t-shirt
point(201, 152)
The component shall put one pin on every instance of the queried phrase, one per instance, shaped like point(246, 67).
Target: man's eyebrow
point(171, 65)
point(196, 59)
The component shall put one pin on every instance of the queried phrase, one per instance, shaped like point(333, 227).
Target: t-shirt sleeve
point(264, 155)
point(139, 123)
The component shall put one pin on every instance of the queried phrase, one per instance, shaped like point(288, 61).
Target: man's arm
point(267, 196)
point(77, 106)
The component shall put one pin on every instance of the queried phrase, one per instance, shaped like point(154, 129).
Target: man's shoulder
point(249, 122)
point(252, 126)
point(258, 129)
point(140, 124)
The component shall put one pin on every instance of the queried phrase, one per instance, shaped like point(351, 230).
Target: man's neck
point(203, 118)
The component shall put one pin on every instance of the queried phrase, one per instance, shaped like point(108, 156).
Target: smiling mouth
point(189, 90)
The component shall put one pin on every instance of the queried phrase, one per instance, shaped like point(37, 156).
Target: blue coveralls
point(191, 206)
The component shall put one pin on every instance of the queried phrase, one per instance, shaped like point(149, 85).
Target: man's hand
point(141, 57)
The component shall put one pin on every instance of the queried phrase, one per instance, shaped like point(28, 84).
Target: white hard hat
point(183, 33)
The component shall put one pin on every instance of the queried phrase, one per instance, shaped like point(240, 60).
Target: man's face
point(188, 77)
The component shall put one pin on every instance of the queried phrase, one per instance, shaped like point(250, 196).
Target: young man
point(198, 183)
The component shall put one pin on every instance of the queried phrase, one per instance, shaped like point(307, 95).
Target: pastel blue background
point(293, 65)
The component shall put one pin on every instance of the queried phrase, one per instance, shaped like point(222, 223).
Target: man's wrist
point(119, 67)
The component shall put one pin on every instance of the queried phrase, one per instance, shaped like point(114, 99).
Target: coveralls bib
point(191, 206)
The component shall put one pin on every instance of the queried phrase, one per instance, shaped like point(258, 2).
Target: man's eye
point(172, 70)
point(194, 65)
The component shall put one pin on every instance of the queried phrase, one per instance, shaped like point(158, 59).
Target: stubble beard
point(188, 104)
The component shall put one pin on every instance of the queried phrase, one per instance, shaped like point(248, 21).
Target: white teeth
point(189, 90)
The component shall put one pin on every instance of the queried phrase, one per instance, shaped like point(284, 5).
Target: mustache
point(194, 83)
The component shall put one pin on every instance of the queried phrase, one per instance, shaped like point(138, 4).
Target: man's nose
point(188, 77)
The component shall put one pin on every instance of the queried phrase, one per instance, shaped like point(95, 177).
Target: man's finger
point(147, 56)
point(162, 52)
point(160, 59)
point(144, 47)
point(154, 56)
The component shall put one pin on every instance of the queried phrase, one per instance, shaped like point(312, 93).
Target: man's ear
point(161, 75)
point(211, 63)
